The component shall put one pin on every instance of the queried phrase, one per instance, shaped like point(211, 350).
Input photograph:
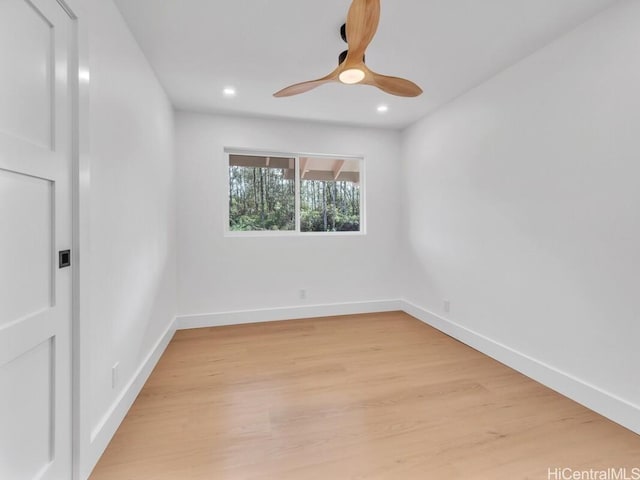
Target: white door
point(35, 224)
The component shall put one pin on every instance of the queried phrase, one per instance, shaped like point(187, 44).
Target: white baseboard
point(186, 322)
point(104, 431)
point(592, 397)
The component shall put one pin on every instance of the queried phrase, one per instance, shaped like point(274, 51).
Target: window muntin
point(293, 194)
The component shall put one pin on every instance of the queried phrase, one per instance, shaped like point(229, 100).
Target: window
point(294, 193)
point(329, 195)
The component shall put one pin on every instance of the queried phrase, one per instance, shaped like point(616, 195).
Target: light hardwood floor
point(378, 396)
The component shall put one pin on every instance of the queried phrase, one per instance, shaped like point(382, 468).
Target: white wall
point(222, 274)
point(132, 219)
point(522, 206)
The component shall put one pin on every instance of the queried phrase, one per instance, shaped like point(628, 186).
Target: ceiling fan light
point(352, 76)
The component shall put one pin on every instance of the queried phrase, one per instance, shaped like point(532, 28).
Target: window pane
point(329, 195)
point(261, 193)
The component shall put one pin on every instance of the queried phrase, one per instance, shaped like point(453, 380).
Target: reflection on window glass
point(329, 195)
point(261, 193)
point(318, 194)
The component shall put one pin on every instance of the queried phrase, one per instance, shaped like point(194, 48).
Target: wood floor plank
point(367, 397)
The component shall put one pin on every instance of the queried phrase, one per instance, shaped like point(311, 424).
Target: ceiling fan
point(361, 26)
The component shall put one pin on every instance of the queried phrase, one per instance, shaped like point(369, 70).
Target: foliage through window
point(294, 194)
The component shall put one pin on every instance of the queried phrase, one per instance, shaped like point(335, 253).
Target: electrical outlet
point(302, 294)
point(446, 306)
point(114, 375)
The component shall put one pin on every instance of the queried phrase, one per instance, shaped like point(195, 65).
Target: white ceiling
point(198, 47)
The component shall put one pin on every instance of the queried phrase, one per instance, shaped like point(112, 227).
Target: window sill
point(267, 234)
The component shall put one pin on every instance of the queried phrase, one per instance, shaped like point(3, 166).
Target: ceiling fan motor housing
point(343, 32)
point(343, 55)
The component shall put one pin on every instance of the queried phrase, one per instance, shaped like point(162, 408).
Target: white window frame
point(296, 156)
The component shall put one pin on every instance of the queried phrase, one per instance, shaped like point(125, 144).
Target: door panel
point(26, 283)
point(26, 44)
point(35, 223)
point(26, 413)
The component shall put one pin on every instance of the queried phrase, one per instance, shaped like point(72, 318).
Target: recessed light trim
point(229, 92)
point(383, 108)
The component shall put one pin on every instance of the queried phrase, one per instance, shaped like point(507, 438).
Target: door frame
point(79, 82)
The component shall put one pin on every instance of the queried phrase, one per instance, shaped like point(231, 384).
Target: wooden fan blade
point(303, 87)
point(299, 88)
point(393, 85)
point(362, 24)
